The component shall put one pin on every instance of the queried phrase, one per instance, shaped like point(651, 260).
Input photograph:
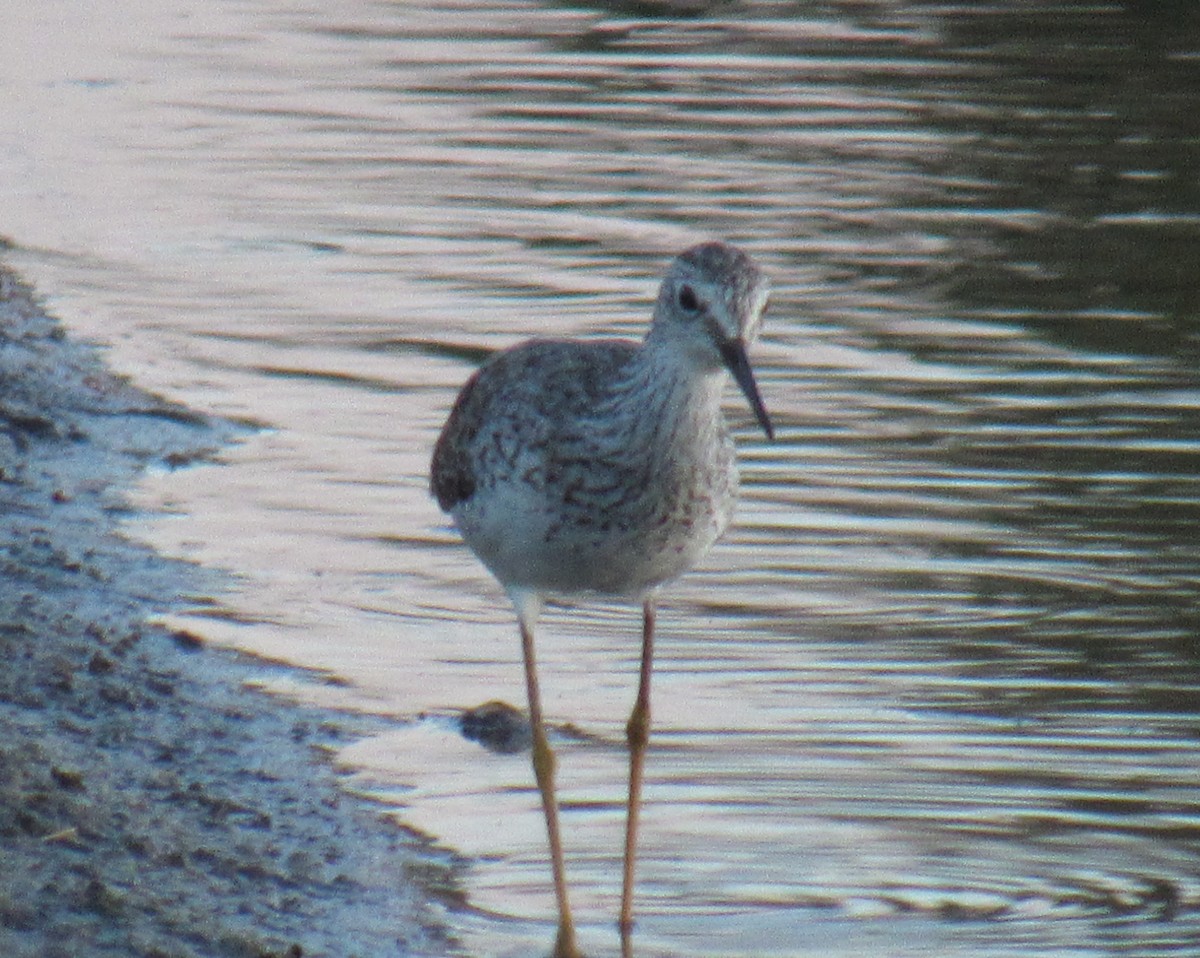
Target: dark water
point(938, 692)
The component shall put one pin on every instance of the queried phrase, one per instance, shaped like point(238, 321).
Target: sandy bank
point(149, 803)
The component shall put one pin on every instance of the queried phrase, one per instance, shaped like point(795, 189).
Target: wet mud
point(150, 802)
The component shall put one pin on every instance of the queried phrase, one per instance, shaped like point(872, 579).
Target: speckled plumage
point(605, 466)
point(602, 466)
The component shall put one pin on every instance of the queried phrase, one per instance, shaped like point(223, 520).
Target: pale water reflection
point(938, 691)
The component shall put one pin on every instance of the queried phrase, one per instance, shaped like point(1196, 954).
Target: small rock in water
point(497, 726)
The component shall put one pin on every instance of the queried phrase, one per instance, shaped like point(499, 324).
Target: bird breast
point(629, 491)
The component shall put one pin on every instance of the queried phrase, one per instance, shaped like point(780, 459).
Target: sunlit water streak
point(937, 692)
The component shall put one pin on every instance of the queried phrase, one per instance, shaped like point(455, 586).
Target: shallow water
point(937, 693)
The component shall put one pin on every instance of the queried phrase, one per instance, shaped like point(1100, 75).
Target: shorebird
point(574, 467)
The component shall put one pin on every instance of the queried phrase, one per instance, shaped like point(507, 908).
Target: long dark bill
point(733, 351)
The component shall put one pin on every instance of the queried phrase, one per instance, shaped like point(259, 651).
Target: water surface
point(937, 692)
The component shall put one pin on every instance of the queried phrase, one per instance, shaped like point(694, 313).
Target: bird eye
point(687, 299)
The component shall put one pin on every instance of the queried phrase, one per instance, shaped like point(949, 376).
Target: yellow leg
point(637, 733)
point(543, 770)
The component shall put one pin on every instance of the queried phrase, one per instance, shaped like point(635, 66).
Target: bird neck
point(670, 392)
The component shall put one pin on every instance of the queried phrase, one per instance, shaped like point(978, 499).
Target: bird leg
point(637, 733)
point(543, 770)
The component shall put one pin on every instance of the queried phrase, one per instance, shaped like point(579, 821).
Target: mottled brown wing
point(519, 392)
point(451, 478)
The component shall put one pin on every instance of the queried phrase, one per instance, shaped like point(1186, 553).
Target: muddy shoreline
point(150, 803)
